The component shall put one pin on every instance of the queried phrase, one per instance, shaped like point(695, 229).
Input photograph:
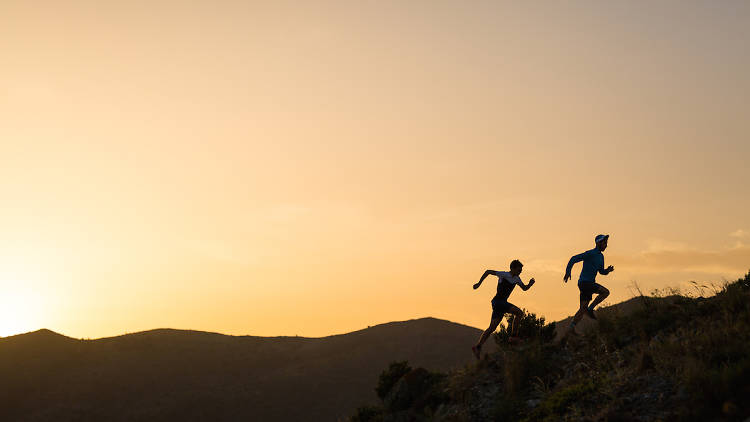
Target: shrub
point(368, 414)
point(418, 390)
point(529, 327)
point(557, 404)
point(390, 376)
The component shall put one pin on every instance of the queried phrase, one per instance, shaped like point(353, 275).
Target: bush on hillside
point(390, 376)
point(418, 390)
point(529, 327)
point(368, 414)
point(414, 394)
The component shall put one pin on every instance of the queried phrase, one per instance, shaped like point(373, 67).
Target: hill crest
point(171, 374)
point(425, 322)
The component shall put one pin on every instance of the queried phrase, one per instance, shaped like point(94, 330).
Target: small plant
point(390, 376)
point(556, 404)
point(529, 327)
point(368, 414)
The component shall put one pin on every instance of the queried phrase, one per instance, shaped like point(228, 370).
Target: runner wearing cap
point(506, 282)
point(593, 262)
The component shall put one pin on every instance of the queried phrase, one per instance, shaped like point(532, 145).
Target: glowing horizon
point(311, 169)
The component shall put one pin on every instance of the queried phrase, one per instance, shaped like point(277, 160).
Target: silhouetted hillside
point(663, 358)
point(178, 375)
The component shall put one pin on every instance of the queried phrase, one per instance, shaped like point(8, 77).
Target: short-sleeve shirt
point(506, 282)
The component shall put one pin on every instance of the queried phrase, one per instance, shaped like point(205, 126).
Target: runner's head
point(601, 241)
point(516, 267)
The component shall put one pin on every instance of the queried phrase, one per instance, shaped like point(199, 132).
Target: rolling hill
point(168, 374)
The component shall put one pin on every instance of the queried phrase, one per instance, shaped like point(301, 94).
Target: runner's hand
point(610, 269)
point(531, 282)
point(566, 278)
point(476, 286)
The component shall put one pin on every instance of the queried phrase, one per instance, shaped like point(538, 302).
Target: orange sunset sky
point(312, 168)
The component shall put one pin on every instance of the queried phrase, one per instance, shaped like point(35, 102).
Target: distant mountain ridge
point(168, 374)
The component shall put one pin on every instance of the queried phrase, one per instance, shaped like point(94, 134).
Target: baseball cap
point(601, 237)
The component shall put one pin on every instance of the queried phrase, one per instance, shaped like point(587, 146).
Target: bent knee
point(604, 292)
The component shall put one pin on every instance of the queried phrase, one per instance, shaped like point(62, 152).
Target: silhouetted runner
point(593, 262)
point(506, 282)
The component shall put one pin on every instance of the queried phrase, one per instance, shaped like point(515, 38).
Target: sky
point(314, 168)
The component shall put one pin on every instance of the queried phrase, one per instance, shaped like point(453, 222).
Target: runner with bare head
point(506, 282)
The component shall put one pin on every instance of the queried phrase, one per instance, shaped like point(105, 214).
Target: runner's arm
point(605, 271)
point(525, 287)
point(486, 273)
point(573, 260)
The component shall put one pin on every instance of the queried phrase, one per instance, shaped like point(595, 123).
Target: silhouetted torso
point(505, 285)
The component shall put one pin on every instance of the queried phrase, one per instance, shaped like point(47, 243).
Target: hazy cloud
point(661, 245)
point(546, 265)
point(677, 257)
point(739, 233)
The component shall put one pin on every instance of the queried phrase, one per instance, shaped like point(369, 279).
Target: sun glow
point(20, 309)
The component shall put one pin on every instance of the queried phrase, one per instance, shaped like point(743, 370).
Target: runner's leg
point(517, 315)
point(581, 310)
point(488, 332)
point(603, 292)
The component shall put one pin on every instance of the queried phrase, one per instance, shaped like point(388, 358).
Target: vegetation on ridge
point(670, 356)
